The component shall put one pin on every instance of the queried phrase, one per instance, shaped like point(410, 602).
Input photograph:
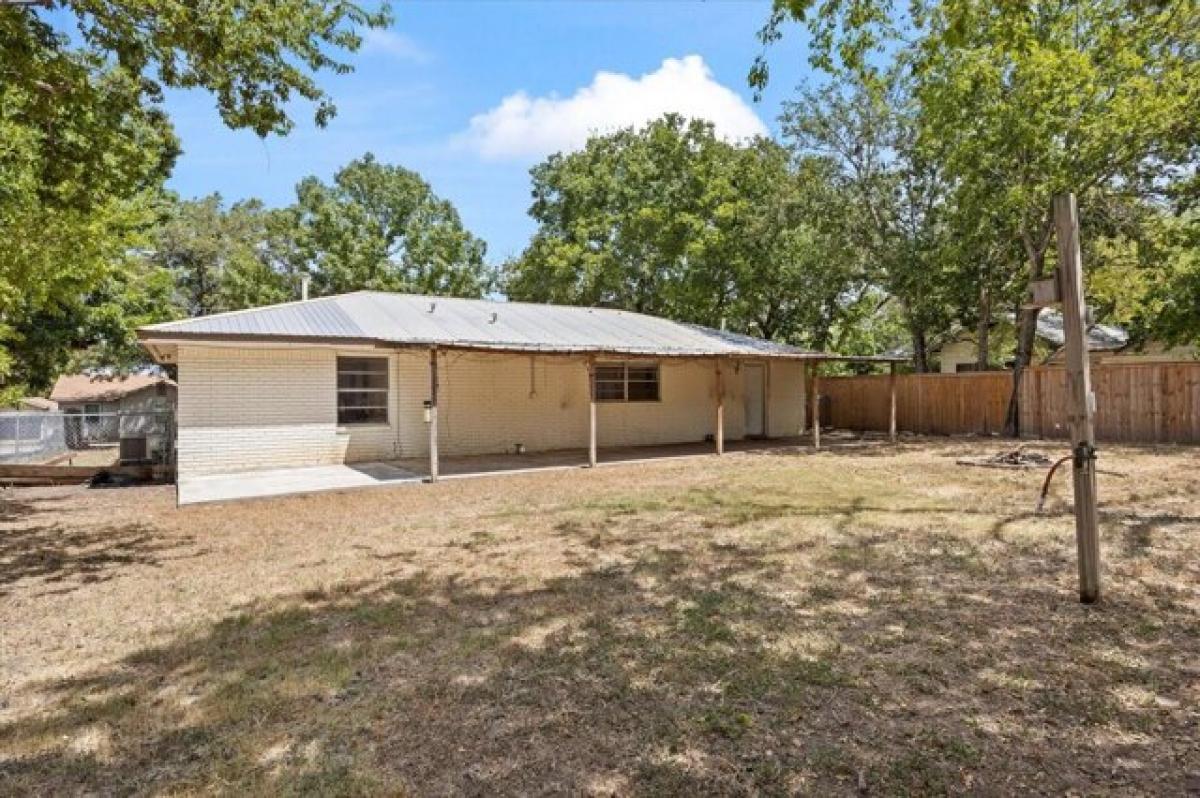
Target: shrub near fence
point(1135, 402)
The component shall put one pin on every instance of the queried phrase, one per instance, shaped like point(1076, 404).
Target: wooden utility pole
point(1082, 403)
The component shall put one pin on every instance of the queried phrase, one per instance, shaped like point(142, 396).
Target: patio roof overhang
point(163, 347)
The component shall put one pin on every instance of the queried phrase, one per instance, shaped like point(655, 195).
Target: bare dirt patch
point(877, 619)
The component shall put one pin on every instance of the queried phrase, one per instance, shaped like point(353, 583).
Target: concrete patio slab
point(285, 481)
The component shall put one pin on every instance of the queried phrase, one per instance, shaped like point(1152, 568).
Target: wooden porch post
point(814, 403)
point(892, 402)
point(433, 414)
point(591, 370)
point(719, 434)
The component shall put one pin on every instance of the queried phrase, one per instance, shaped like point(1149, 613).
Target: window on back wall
point(362, 390)
point(627, 382)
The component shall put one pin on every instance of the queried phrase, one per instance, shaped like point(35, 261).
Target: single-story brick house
point(372, 376)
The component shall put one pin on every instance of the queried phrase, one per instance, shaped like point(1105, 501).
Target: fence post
point(17, 443)
point(892, 402)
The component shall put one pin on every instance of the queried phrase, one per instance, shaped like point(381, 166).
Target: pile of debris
point(1014, 458)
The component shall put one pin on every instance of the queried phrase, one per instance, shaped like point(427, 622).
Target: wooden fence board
point(1135, 402)
point(25, 474)
point(931, 404)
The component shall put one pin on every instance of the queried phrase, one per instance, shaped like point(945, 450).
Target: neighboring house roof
point(1100, 337)
point(102, 387)
point(413, 320)
point(38, 403)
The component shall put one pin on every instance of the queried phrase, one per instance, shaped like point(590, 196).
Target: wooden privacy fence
point(930, 404)
point(1135, 402)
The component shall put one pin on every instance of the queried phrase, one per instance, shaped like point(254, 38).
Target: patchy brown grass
point(878, 620)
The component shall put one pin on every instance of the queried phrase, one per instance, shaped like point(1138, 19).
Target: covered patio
point(716, 441)
point(413, 471)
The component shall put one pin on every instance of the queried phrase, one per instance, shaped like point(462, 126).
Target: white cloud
point(395, 45)
point(531, 127)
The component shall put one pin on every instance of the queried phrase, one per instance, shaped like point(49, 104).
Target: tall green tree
point(1032, 100)
point(623, 222)
point(381, 227)
point(897, 193)
point(83, 136)
point(221, 258)
point(797, 274)
point(92, 322)
point(1028, 99)
point(671, 220)
point(1145, 274)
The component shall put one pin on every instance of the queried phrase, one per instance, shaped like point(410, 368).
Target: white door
point(754, 395)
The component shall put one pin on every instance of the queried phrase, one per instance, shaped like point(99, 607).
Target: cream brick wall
point(251, 408)
point(785, 398)
point(242, 409)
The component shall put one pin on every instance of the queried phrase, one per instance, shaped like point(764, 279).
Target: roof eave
point(152, 339)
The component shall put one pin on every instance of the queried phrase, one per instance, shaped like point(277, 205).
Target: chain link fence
point(129, 437)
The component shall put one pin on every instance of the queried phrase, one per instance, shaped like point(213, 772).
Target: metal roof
point(413, 320)
point(1100, 337)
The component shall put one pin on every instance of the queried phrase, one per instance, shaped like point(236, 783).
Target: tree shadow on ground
point(66, 557)
point(697, 665)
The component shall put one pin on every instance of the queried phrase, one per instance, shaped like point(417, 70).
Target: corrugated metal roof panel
point(475, 323)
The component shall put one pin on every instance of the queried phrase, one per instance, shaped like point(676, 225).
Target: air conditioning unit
point(134, 450)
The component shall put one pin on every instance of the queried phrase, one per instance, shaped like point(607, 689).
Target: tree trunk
point(920, 350)
point(1026, 329)
point(1026, 335)
point(982, 356)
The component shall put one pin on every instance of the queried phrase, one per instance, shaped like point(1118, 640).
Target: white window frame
point(92, 416)
point(625, 366)
point(386, 391)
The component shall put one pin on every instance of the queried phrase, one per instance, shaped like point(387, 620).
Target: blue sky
point(417, 87)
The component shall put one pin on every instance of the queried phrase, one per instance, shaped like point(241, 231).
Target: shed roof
point(415, 320)
point(37, 403)
point(102, 387)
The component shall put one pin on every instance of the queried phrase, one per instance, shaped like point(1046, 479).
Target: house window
point(626, 382)
point(362, 390)
point(92, 413)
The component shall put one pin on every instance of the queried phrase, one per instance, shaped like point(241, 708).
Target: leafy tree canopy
point(220, 258)
point(85, 145)
point(381, 227)
point(671, 220)
point(1020, 101)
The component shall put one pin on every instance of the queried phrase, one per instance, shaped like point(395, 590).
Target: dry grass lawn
point(871, 620)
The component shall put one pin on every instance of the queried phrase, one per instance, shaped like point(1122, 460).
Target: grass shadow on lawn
point(705, 666)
